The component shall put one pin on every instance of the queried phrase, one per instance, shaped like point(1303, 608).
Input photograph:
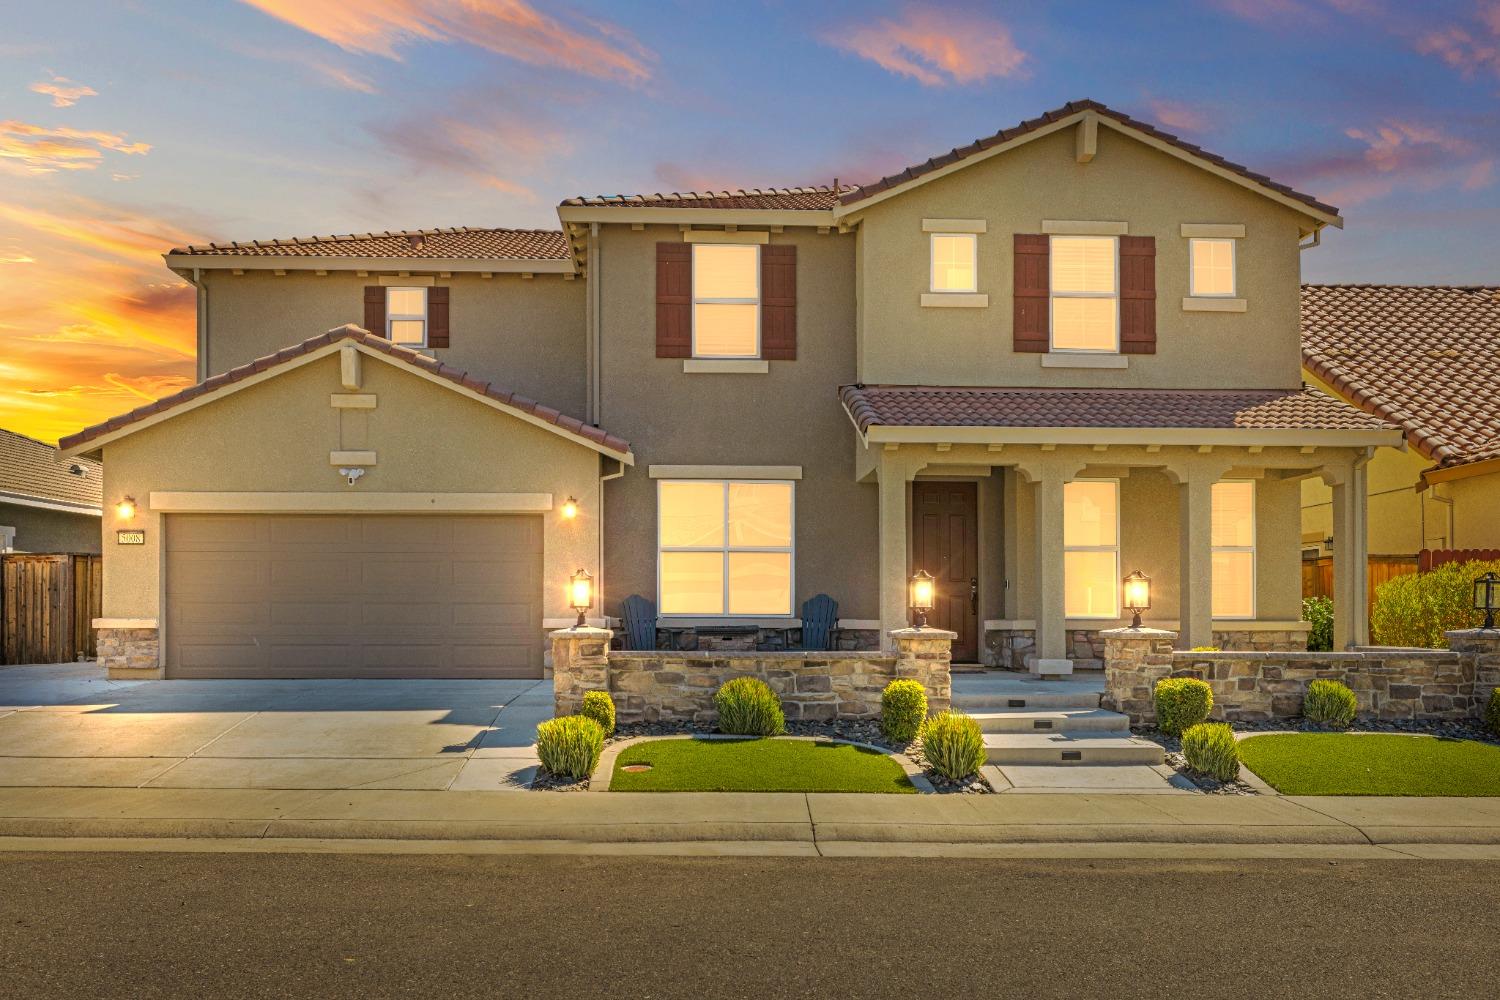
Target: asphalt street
point(248, 925)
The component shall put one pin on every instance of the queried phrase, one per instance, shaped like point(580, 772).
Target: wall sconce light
point(1137, 596)
point(125, 509)
point(1487, 597)
point(570, 508)
point(923, 595)
point(581, 595)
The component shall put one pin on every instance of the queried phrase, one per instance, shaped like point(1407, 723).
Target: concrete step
point(994, 694)
point(1083, 748)
point(1067, 720)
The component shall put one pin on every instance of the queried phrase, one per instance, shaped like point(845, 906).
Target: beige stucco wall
point(1476, 511)
point(903, 342)
point(524, 334)
point(50, 530)
point(789, 416)
point(276, 436)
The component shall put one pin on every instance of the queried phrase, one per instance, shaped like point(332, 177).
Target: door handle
point(974, 594)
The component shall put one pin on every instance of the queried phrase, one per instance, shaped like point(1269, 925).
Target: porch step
point(1005, 693)
point(1067, 720)
point(1082, 748)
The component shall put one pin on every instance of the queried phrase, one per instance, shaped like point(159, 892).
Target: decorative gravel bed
point(1175, 760)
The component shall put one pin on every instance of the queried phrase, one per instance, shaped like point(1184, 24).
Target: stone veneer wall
point(1257, 686)
point(129, 652)
point(1008, 648)
point(679, 686)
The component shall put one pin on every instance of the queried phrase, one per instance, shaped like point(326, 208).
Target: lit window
point(1232, 525)
point(1085, 294)
point(725, 548)
point(406, 316)
point(726, 301)
point(953, 262)
point(1091, 548)
point(1212, 267)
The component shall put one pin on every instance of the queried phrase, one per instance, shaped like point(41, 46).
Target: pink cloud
point(511, 28)
point(64, 92)
point(479, 139)
point(935, 46)
point(1461, 49)
point(1397, 155)
point(1179, 115)
point(42, 150)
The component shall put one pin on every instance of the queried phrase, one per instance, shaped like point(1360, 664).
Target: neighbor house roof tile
point(33, 470)
point(447, 244)
point(809, 199)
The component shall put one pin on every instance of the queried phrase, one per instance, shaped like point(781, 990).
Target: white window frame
point(726, 548)
point(392, 317)
point(725, 302)
point(1234, 268)
point(1251, 548)
point(7, 538)
point(1115, 548)
point(1053, 293)
point(932, 239)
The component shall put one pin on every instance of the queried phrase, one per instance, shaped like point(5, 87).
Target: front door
point(945, 542)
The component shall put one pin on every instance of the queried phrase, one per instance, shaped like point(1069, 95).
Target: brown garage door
point(280, 595)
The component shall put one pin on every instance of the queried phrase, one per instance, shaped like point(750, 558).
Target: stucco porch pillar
point(1351, 612)
point(896, 473)
point(1195, 562)
point(1049, 474)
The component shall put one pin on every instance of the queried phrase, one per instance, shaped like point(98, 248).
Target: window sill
point(1213, 305)
point(955, 300)
point(1085, 361)
point(726, 366)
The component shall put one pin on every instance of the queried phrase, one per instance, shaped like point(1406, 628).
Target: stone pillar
point(129, 648)
point(580, 662)
point(1134, 660)
point(1051, 597)
point(925, 655)
point(1195, 538)
point(1480, 649)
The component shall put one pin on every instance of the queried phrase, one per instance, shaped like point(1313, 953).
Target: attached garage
point(353, 595)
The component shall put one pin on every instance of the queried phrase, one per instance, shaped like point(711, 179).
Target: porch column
point(1051, 595)
point(895, 473)
point(1351, 542)
point(1195, 539)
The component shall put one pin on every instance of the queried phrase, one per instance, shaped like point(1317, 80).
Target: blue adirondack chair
point(640, 622)
point(820, 617)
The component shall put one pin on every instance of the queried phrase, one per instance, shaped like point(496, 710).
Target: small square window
point(954, 262)
point(406, 316)
point(1211, 267)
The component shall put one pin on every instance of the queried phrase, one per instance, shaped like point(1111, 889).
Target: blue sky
point(128, 127)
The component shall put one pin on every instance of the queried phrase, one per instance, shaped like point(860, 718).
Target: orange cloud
point(42, 150)
point(92, 225)
point(935, 46)
point(64, 92)
point(511, 28)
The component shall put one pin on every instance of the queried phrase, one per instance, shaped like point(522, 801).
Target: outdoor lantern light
point(1487, 597)
point(125, 509)
point(923, 591)
point(570, 508)
point(1137, 596)
point(581, 594)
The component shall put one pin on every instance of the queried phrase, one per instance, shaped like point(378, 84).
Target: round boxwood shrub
point(1330, 703)
point(1210, 748)
point(598, 705)
point(952, 745)
point(569, 746)
point(1492, 712)
point(748, 707)
point(903, 706)
point(1182, 702)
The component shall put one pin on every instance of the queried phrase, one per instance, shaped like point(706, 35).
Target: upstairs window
point(954, 267)
point(726, 301)
point(406, 316)
point(1232, 525)
point(724, 547)
point(1085, 291)
point(1211, 268)
point(1091, 548)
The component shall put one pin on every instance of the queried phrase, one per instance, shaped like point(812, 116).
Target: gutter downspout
point(595, 277)
point(1317, 240)
point(201, 358)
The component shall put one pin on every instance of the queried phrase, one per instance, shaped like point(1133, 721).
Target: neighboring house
point(1426, 358)
point(47, 503)
point(1028, 366)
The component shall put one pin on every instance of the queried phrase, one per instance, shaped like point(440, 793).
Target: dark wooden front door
point(945, 542)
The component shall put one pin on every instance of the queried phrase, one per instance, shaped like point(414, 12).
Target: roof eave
point(186, 262)
point(47, 503)
point(1126, 436)
point(664, 215)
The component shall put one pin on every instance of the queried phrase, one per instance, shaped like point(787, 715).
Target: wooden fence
point(1431, 559)
point(48, 604)
point(1317, 574)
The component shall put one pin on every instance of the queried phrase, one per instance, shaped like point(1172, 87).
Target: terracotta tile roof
point(416, 359)
point(448, 244)
point(34, 470)
point(1424, 357)
point(798, 199)
point(1209, 409)
point(1072, 108)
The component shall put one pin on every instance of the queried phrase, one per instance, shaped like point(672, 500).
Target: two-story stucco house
point(1028, 366)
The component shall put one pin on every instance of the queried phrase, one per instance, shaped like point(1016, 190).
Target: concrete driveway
point(65, 725)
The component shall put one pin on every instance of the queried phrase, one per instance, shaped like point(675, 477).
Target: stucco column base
point(1134, 660)
point(926, 655)
point(580, 662)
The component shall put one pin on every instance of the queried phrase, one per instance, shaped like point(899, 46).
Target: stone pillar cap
point(923, 633)
point(584, 632)
point(1137, 633)
point(1474, 633)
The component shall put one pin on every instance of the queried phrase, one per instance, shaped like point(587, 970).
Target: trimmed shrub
point(1182, 702)
point(1207, 649)
point(600, 707)
point(1318, 612)
point(1210, 749)
point(1329, 702)
point(1416, 609)
point(903, 706)
point(748, 707)
point(952, 745)
point(569, 746)
point(1492, 712)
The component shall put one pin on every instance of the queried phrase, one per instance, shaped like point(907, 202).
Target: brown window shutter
point(1137, 295)
point(375, 309)
point(674, 300)
point(778, 302)
point(437, 316)
point(1032, 286)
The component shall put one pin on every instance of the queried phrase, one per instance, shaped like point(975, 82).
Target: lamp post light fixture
point(1137, 596)
point(125, 509)
point(1487, 598)
point(581, 595)
point(923, 594)
point(570, 508)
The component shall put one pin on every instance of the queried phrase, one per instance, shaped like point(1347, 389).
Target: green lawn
point(1372, 764)
point(761, 765)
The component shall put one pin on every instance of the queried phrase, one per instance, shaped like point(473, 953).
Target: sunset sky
point(128, 127)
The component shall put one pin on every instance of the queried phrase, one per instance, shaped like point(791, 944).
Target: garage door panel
point(353, 596)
